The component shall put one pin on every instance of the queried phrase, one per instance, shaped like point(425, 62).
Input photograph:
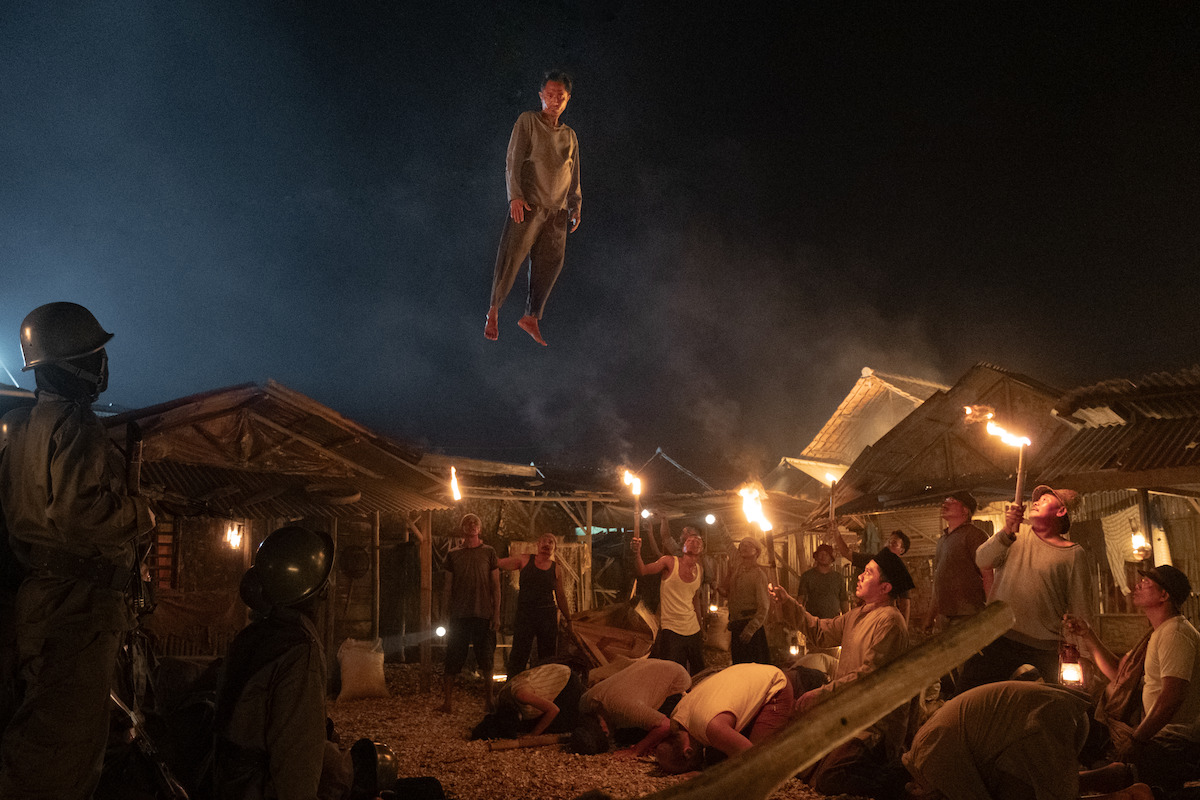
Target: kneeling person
point(757, 697)
point(632, 698)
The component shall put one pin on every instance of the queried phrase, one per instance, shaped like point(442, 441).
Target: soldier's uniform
point(73, 528)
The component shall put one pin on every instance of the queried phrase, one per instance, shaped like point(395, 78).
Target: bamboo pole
point(754, 774)
point(541, 740)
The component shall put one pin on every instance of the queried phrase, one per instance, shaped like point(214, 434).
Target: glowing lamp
point(440, 630)
point(794, 650)
point(233, 535)
point(710, 519)
point(1070, 670)
point(454, 485)
point(645, 513)
point(499, 677)
point(713, 608)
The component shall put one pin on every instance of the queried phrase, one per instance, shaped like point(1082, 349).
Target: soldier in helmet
point(72, 527)
point(270, 717)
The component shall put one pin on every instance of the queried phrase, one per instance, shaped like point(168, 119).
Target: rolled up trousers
point(542, 238)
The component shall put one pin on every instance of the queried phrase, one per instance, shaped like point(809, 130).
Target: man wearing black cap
point(871, 635)
point(1164, 748)
point(1041, 576)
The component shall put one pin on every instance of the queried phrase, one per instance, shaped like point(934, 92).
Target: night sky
point(313, 192)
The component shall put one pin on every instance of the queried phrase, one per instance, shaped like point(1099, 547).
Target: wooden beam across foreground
point(756, 773)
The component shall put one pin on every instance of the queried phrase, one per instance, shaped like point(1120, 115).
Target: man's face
point(895, 544)
point(554, 97)
point(747, 551)
point(954, 513)
point(823, 558)
point(470, 528)
point(1047, 508)
point(1148, 594)
point(871, 585)
point(693, 545)
point(546, 546)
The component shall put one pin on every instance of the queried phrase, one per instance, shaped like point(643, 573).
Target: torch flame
point(752, 508)
point(1006, 437)
point(633, 481)
point(979, 413)
point(454, 484)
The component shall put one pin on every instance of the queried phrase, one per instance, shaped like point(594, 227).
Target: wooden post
point(331, 606)
point(375, 576)
point(756, 773)
point(425, 532)
point(585, 566)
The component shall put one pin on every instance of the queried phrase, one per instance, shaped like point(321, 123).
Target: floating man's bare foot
point(491, 329)
point(530, 325)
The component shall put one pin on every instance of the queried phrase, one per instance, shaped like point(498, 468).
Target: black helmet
point(58, 332)
point(375, 768)
point(292, 564)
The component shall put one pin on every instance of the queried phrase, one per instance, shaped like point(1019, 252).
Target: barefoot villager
point(544, 200)
point(471, 605)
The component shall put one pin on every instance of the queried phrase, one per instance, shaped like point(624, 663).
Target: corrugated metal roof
point(203, 490)
point(1160, 395)
point(1149, 444)
point(251, 438)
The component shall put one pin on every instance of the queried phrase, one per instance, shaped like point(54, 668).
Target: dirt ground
point(430, 743)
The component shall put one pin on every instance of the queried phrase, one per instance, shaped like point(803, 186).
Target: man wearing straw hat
point(1041, 575)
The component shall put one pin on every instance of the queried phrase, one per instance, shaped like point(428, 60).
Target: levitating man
point(544, 199)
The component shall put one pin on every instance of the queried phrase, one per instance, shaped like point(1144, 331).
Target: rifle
point(164, 780)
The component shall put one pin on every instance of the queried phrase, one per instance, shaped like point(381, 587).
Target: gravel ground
point(430, 743)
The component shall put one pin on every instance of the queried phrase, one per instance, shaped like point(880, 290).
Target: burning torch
point(752, 508)
point(635, 485)
point(986, 414)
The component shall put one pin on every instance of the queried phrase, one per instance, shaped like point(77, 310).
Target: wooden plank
point(756, 773)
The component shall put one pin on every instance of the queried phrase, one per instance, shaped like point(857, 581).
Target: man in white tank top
point(679, 638)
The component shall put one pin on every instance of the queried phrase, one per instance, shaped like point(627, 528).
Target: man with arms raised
point(679, 638)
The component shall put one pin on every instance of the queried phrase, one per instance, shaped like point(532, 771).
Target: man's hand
point(517, 209)
point(496, 623)
point(807, 700)
point(745, 636)
point(1014, 515)
point(575, 217)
